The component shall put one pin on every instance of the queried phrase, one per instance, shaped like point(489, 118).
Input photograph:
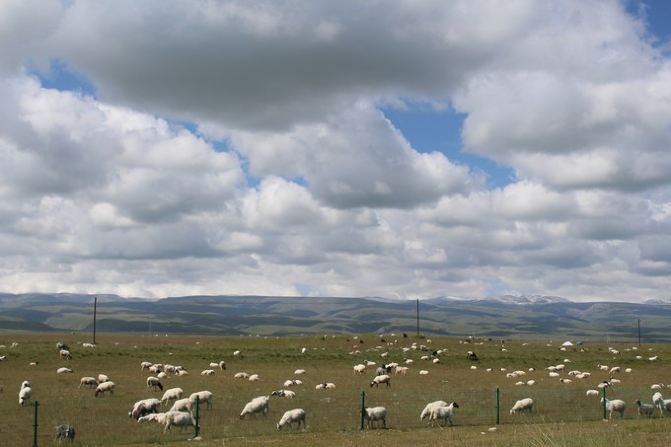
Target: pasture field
point(563, 415)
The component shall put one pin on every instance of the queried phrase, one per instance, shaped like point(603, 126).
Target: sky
point(402, 149)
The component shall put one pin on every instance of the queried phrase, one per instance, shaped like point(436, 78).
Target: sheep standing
point(443, 413)
point(426, 412)
point(523, 406)
point(644, 409)
point(154, 383)
point(615, 405)
point(290, 417)
point(359, 369)
point(284, 393)
point(64, 354)
point(25, 393)
point(181, 405)
point(381, 379)
point(171, 395)
point(178, 419)
point(375, 414)
point(256, 405)
point(105, 387)
point(90, 382)
point(204, 397)
point(144, 407)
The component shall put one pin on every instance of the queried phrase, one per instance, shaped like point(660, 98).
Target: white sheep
point(241, 375)
point(144, 407)
point(205, 397)
point(65, 354)
point(153, 417)
point(254, 378)
point(207, 372)
point(103, 378)
point(178, 419)
point(523, 406)
point(297, 415)
point(256, 405)
point(325, 386)
point(145, 365)
point(426, 412)
point(591, 393)
point(661, 403)
point(289, 382)
point(401, 370)
point(105, 387)
point(172, 394)
point(284, 393)
point(616, 405)
point(443, 412)
point(25, 393)
point(181, 405)
point(359, 369)
point(384, 378)
point(299, 372)
point(90, 382)
point(63, 371)
point(154, 383)
point(423, 372)
point(375, 414)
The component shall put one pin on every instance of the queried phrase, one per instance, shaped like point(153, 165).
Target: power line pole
point(95, 311)
point(418, 317)
point(639, 332)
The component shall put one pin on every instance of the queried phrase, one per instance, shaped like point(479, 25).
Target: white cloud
point(317, 190)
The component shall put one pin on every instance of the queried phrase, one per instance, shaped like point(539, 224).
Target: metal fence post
point(197, 415)
point(604, 402)
point(363, 408)
point(498, 407)
point(37, 404)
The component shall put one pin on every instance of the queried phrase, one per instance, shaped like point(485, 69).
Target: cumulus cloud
point(287, 176)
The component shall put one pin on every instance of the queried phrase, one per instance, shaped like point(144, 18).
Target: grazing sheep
point(205, 397)
point(182, 405)
point(103, 378)
point(644, 409)
point(426, 412)
point(105, 387)
point(162, 375)
point(143, 408)
point(88, 345)
point(241, 375)
point(443, 412)
point(591, 393)
point(236, 353)
point(423, 372)
point(62, 346)
point(65, 354)
point(182, 372)
point(325, 386)
point(290, 417)
point(256, 405)
point(381, 379)
point(359, 369)
point(153, 417)
point(375, 414)
point(25, 393)
point(401, 370)
point(299, 372)
point(284, 393)
point(172, 394)
point(145, 365)
point(63, 371)
point(616, 405)
point(222, 365)
point(207, 372)
point(523, 406)
point(178, 419)
point(254, 378)
point(154, 382)
point(65, 431)
point(470, 355)
point(90, 382)
point(288, 383)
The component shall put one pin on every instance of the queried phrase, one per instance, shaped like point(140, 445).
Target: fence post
point(197, 416)
point(363, 409)
point(37, 404)
point(604, 403)
point(498, 407)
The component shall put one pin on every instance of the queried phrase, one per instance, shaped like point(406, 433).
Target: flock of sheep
point(179, 408)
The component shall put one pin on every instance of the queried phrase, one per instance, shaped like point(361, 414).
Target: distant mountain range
point(501, 317)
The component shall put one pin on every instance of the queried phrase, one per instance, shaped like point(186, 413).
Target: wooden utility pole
point(95, 311)
point(418, 317)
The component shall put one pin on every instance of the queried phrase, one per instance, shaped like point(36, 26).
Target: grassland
point(564, 415)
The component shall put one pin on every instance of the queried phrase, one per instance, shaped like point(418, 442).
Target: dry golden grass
point(564, 416)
